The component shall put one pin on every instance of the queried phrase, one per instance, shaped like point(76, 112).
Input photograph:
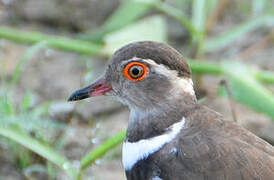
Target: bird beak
point(100, 87)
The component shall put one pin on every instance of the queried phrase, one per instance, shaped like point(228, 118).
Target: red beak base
point(100, 87)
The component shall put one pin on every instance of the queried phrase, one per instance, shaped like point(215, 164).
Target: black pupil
point(135, 71)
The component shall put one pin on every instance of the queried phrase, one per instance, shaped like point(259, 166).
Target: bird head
point(143, 74)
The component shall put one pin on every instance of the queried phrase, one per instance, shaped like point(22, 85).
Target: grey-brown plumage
point(207, 147)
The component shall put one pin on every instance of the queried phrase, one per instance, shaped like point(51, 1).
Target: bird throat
point(149, 123)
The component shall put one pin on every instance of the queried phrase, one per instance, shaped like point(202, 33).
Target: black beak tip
point(78, 95)
point(72, 97)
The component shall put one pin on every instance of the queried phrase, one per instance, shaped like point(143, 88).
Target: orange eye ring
point(135, 71)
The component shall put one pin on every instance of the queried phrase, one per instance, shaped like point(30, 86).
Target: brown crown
point(159, 52)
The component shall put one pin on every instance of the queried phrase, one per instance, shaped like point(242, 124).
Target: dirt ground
point(52, 75)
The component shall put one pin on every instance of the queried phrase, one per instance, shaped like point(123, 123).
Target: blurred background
point(50, 48)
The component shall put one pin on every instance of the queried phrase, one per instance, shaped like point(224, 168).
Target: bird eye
point(135, 71)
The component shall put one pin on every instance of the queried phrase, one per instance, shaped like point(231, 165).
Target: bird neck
point(154, 121)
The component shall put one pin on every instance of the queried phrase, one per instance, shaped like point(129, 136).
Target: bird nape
point(170, 136)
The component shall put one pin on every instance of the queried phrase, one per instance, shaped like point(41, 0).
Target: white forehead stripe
point(136, 151)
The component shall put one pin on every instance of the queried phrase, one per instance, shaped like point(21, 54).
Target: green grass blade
point(136, 32)
point(221, 41)
point(202, 67)
point(104, 148)
point(247, 90)
point(199, 15)
point(27, 102)
point(41, 149)
point(6, 105)
point(264, 76)
point(198, 21)
point(62, 43)
point(128, 12)
point(172, 12)
point(258, 6)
